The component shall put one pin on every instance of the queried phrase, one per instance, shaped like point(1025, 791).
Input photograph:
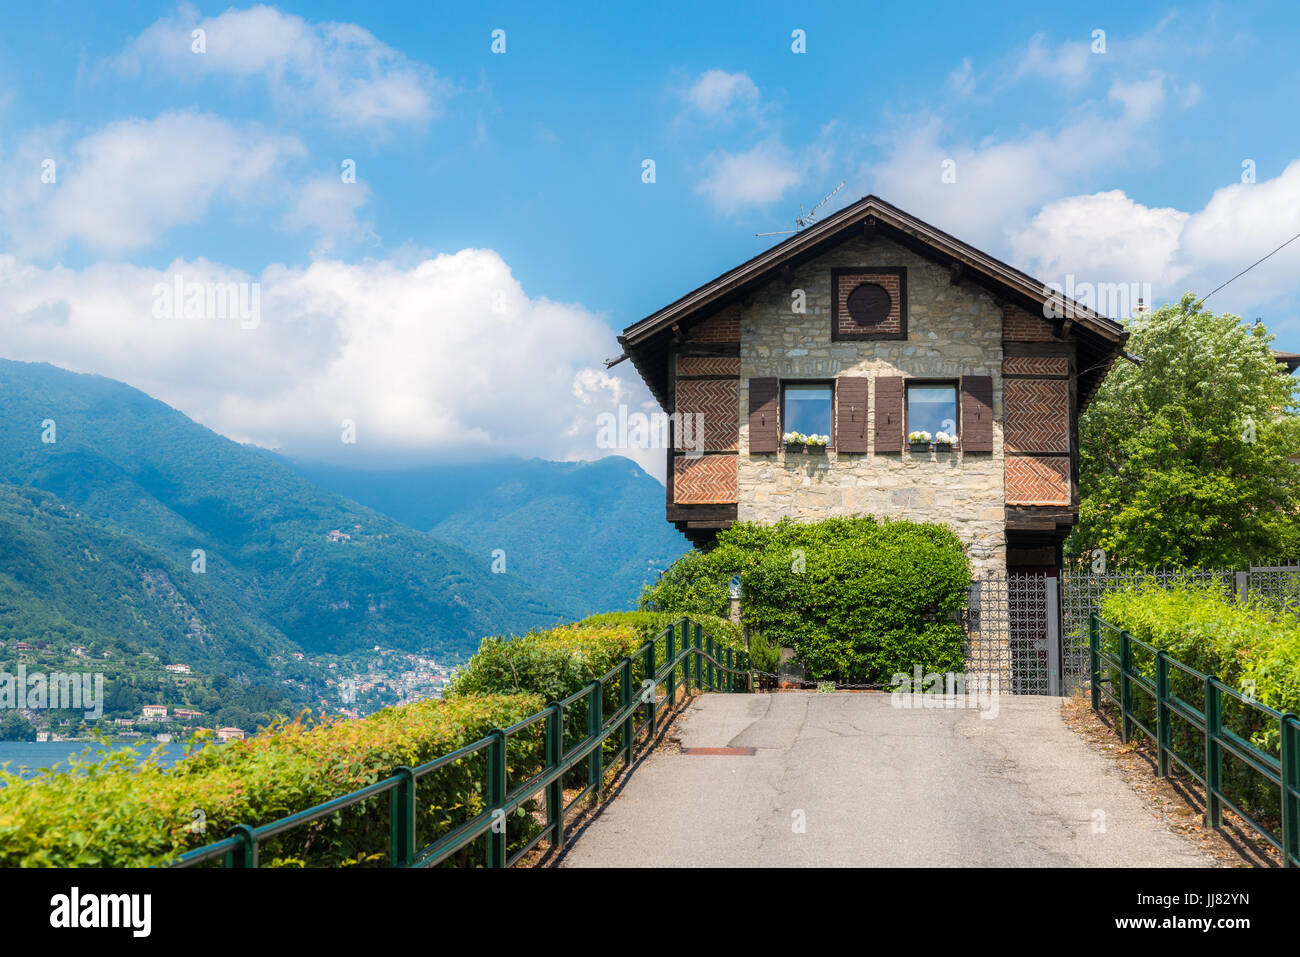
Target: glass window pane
point(932, 408)
point(807, 409)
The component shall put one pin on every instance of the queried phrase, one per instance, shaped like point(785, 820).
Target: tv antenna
point(805, 219)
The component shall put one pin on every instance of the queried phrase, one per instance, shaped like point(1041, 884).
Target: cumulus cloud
point(999, 182)
point(337, 70)
point(1109, 237)
point(717, 91)
point(447, 357)
point(757, 176)
point(329, 207)
point(117, 190)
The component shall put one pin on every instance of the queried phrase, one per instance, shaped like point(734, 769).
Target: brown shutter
point(889, 413)
point(764, 427)
point(977, 413)
point(851, 413)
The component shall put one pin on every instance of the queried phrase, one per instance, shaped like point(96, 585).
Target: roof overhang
point(1100, 339)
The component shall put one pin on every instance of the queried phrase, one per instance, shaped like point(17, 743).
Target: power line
point(1248, 269)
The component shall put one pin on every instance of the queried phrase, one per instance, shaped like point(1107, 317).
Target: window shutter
point(851, 413)
point(764, 425)
point(889, 413)
point(977, 413)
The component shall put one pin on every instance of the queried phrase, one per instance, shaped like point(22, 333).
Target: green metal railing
point(715, 668)
point(1218, 740)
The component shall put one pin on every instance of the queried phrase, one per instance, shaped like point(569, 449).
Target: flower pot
point(919, 446)
point(943, 446)
point(796, 448)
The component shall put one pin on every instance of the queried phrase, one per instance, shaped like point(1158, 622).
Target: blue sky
point(499, 231)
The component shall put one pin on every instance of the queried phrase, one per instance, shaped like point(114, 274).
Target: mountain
point(588, 534)
point(133, 487)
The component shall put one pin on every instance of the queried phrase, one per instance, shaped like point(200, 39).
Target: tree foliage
point(1185, 459)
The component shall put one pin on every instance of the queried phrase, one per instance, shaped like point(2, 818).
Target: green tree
point(14, 727)
point(1185, 459)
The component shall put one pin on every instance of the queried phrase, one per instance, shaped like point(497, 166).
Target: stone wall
point(953, 330)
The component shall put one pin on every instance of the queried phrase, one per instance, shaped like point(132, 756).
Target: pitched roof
point(1100, 338)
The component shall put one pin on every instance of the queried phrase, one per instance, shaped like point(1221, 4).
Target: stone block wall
point(953, 330)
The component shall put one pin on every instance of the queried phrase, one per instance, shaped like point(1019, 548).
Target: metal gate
point(1013, 632)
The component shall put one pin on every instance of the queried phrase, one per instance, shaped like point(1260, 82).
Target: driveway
point(848, 780)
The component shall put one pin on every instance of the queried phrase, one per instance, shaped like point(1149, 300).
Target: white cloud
point(125, 185)
point(1108, 237)
point(1000, 182)
point(1105, 237)
point(443, 358)
point(1069, 63)
point(718, 91)
point(329, 207)
point(759, 176)
point(338, 70)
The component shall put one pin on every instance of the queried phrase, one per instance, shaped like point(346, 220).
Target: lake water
point(30, 757)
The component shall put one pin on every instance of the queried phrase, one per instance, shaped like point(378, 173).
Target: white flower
point(919, 436)
point(943, 438)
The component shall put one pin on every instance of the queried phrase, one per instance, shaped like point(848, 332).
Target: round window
point(869, 304)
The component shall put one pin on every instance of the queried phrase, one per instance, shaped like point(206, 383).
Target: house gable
point(873, 308)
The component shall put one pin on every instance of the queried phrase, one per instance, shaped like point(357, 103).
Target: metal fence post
point(1290, 790)
point(731, 664)
point(496, 796)
point(1243, 586)
point(670, 693)
point(595, 724)
point(1051, 588)
point(401, 819)
point(246, 856)
point(1094, 658)
point(1164, 728)
point(1213, 752)
point(653, 704)
point(699, 663)
point(625, 698)
point(555, 790)
point(1125, 687)
point(710, 678)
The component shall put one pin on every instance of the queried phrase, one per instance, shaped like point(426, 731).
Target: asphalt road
point(849, 780)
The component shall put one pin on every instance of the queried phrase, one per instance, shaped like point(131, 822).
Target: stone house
point(862, 329)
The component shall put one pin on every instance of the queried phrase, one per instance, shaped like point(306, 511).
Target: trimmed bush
point(112, 812)
point(858, 600)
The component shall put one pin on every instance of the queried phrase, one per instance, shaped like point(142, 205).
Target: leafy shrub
point(1253, 648)
point(765, 655)
point(857, 599)
point(112, 812)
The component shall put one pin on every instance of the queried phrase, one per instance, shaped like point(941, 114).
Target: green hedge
point(112, 812)
point(1253, 646)
point(858, 600)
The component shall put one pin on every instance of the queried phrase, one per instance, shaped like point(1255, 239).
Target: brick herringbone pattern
point(1037, 415)
point(1035, 365)
point(718, 402)
point(709, 479)
point(708, 365)
point(1037, 481)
